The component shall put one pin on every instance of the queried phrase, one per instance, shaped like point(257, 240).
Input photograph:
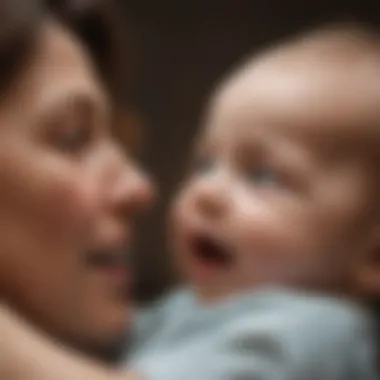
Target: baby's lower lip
point(206, 272)
point(206, 269)
point(209, 266)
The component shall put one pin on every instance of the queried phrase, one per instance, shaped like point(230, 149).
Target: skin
point(275, 193)
point(31, 355)
point(284, 175)
point(67, 189)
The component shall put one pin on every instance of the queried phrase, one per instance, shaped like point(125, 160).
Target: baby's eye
point(264, 176)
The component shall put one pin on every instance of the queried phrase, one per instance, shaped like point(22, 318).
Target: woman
point(68, 194)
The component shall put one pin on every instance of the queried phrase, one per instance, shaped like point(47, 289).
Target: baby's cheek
point(259, 227)
point(283, 251)
point(266, 238)
point(275, 225)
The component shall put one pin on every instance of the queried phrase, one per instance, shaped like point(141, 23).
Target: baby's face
point(280, 191)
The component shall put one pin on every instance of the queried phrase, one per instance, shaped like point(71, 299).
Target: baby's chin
point(292, 278)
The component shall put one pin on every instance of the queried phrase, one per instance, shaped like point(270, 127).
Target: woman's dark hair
point(97, 24)
point(94, 22)
point(19, 21)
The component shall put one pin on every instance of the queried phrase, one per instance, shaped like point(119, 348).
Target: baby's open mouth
point(211, 251)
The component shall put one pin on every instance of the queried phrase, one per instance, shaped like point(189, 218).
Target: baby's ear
point(368, 267)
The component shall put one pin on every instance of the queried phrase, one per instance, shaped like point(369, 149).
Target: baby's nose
point(212, 201)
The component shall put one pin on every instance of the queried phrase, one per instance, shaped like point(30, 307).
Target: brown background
point(182, 46)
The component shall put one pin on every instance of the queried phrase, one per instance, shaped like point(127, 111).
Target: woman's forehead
point(57, 69)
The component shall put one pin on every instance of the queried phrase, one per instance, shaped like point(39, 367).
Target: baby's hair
point(338, 41)
point(354, 31)
point(334, 43)
point(342, 37)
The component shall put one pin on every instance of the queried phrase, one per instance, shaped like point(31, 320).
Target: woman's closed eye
point(74, 125)
point(73, 139)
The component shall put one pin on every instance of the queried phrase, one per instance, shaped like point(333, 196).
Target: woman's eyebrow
point(82, 103)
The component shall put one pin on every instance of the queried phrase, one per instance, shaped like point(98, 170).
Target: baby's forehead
point(302, 89)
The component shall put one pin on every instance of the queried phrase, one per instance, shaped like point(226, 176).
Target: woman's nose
point(134, 191)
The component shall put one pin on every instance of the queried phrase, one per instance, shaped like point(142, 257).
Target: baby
point(283, 194)
point(278, 227)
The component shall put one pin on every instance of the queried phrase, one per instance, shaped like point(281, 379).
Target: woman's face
point(67, 197)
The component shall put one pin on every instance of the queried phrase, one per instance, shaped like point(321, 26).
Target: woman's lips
point(113, 262)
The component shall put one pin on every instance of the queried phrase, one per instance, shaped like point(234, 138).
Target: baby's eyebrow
point(342, 144)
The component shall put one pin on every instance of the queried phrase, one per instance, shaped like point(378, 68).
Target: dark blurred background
point(179, 48)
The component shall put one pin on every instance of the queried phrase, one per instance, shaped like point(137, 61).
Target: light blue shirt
point(269, 335)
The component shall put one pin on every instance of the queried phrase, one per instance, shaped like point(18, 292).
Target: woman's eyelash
point(76, 139)
point(72, 139)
